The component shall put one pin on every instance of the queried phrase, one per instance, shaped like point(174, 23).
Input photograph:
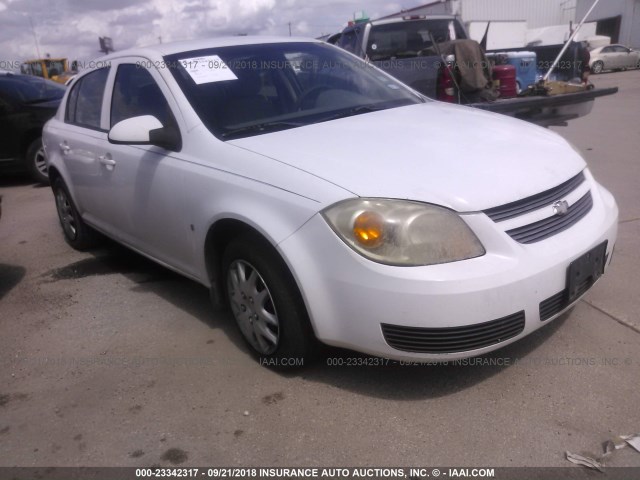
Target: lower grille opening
point(558, 302)
point(554, 305)
point(453, 339)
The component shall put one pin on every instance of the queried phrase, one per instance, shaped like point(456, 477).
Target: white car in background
point(323, 200)
point(613, 57)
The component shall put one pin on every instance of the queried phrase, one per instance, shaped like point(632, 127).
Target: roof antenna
point(35, 37)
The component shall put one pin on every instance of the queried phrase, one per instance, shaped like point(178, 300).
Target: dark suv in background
point(26, 103)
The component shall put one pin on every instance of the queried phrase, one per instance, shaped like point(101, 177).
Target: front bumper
point(350, 298)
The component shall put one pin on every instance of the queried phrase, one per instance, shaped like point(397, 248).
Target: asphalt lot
point(110, 360)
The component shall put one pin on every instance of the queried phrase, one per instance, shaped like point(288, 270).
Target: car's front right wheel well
point(233, 247)
point(218, 238)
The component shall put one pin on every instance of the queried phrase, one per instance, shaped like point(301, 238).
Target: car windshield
point(27, 89)
point(409, 38)
point(249, 90)
point(54, 67)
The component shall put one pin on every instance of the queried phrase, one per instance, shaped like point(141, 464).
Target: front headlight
point(399, 232)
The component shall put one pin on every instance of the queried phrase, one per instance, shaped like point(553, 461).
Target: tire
point(597, 67)
point(77, 234)
point(36, 162)
point(266, 304)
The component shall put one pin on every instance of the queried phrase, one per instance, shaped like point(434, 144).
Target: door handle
point(65, 148)
point(107, 161)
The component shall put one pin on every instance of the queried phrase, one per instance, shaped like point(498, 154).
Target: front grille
point(548, 197)
point(548, 227)
point(453, 339)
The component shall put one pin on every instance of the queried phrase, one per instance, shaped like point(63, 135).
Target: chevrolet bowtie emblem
point(561, 208)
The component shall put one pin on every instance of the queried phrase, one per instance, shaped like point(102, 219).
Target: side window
point(72, 102)
point(136, 93)
point(350, 40)
point(84, 105)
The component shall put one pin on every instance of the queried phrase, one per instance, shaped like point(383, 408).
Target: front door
point(143, 182)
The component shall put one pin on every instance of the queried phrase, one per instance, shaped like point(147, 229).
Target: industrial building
point(536, 14)
point(523, 22)
point(618, 19)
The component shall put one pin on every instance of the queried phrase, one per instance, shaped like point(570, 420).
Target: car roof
point(407, 18)
point(163, 49)
point(17, 76)
point(21, 76)
point(412, 18)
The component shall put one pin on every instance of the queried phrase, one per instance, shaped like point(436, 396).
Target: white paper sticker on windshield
point(207, 69)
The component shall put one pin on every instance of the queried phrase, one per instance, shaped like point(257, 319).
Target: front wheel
point(267, 304)
point(597, 67)
point(77, 234)
point(37, 162)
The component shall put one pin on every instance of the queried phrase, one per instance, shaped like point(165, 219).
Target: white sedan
point(322, 200)
point(614, 57)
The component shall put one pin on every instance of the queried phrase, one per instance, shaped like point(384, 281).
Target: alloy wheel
point(40, 161)
point(65, 212)
point(253, 307)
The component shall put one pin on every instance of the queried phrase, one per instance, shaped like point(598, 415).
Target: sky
point(70, 28)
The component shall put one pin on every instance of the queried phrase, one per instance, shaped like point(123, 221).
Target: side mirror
point(145, 130)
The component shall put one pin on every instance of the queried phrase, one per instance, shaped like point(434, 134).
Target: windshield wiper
point(350, 112)
point(261, 128)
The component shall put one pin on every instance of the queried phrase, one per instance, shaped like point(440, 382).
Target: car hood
point(458, 157)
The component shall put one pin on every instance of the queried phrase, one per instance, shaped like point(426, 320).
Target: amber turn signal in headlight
point(368, 229)
point(401, 232)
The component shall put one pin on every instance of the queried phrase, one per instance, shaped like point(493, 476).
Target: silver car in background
point(614, 57)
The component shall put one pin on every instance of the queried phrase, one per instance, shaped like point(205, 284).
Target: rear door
point(82, 142)
point(629, 59)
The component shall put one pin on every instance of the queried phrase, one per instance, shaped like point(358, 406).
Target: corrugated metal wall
point(426, 9)
point(537, 13)
point(629, 10)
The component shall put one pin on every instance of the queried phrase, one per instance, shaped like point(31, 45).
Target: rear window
point(410, 38)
